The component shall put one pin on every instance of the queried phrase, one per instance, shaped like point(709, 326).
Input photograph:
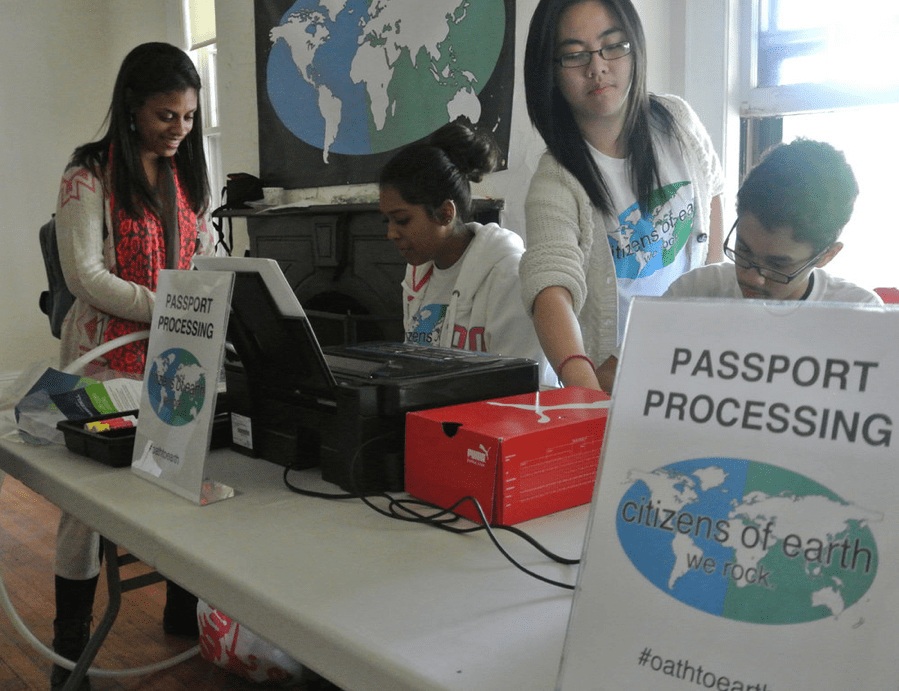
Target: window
point(199, 21)
point(824, 71)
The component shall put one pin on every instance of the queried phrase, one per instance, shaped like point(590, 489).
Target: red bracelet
point(576, 356)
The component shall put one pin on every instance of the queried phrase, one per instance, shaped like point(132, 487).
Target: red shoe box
point(521, 457)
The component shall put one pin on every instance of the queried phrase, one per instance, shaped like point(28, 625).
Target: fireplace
point(343, 269)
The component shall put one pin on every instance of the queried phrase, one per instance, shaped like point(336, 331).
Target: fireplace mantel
point(339, 262)
point(485, 210)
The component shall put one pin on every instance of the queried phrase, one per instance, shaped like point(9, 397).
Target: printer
point(341, 408)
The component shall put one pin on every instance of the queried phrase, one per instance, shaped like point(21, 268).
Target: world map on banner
point(176, 386)
point(747, 541)
point(361, 77)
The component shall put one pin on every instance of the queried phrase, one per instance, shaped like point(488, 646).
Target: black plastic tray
point(113, 447)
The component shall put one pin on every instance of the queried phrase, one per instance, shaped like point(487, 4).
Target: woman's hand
point(560, 337)
point(605, 374)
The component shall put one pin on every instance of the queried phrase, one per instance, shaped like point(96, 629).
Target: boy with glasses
point(791, 209)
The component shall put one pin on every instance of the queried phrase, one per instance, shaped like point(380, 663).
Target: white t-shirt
point(428, 322)
point(648, 249)
point(720, 281)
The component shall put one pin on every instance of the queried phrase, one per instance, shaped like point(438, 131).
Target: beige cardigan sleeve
point(561, 226)
point(86, 251)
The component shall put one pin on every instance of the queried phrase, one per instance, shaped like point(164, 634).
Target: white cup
point(273, 195)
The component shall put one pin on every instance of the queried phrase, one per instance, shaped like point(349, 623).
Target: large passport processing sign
point(744, 533)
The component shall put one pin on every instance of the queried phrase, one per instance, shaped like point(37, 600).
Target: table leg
point(115, 587)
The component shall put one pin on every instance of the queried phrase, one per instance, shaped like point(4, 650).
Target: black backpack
point(56, 301)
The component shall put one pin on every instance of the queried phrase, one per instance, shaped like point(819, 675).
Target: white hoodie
point(484, 311)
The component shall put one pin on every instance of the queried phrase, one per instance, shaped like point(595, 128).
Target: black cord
point(409, 510)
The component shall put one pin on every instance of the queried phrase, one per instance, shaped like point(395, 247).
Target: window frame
point(762, 108)
point(765, 114)
point(204, 55)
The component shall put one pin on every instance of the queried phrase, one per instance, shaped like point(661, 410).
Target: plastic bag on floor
point(231, 646)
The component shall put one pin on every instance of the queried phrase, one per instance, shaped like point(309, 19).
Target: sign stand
point(184, 359)
point(744, 532)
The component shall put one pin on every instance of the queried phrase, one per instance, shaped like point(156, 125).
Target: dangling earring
point(133, 128)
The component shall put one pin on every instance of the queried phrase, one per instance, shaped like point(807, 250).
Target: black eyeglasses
point(770, 274)
point(583, 57)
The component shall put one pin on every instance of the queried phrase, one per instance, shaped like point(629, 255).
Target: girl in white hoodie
point(461, 288)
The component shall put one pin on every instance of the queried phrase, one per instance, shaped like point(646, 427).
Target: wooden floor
point(27, 536)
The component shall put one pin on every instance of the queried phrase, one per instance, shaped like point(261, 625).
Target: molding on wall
point(711, 52)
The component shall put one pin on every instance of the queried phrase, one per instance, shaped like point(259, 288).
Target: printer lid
point(269, 329)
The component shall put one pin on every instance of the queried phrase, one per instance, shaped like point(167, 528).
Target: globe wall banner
point(184, 359)
point(743, 534)
point(341, 85)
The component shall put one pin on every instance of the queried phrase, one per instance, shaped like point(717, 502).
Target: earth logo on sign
point(176, 386)
point(747, 541)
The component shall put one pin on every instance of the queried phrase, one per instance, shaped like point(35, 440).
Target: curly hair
point(806, 185)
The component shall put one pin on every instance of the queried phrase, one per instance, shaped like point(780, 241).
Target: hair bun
point(474, 153)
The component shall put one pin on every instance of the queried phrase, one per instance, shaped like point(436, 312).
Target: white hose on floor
point(35, 643)
point(73, 368)
point(76, 366)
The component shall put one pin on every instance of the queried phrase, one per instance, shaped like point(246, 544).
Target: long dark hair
point(442, 167)
point(149, 69)
point(552, 116)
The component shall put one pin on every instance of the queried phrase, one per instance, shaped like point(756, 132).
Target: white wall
point(51, 94)
point(60, 58)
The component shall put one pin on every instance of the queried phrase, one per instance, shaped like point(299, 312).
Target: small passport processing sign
point(184, 358)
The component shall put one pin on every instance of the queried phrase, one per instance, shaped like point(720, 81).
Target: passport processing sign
point(744, 534)
point(187, 342)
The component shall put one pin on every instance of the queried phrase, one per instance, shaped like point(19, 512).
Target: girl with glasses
point(627, 197)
